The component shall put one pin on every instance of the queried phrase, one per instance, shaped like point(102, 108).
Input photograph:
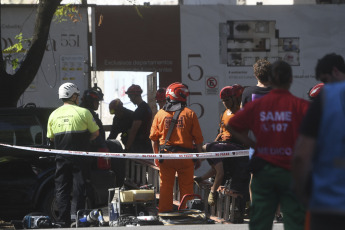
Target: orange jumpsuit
point(186, 133)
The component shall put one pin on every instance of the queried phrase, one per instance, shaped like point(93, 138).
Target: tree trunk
point(12, 86)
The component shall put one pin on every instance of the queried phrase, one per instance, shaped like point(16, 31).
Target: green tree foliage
point(16, 48)
point(12, 86)
point(62, 14)
point(67, 12)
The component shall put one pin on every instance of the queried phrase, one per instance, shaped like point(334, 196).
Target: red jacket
point(274, 120)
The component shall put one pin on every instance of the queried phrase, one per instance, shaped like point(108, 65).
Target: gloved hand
point(212, 197)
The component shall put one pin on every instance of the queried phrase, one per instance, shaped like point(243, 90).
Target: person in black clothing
point(228, 169)
point(122, 121)
point(90, 101)
point(262, 70)
point(318, 163)
point(138, 138)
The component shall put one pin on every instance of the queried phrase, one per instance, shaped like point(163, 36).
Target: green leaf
point(15, 63)
point(67, 12)
point(17, 47)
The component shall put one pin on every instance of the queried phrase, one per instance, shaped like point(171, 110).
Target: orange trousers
point(307, 221)
point(168, 169)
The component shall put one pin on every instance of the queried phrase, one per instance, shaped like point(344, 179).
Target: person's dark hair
point(67, 99)
point(262, 70)
point(325, 65)
point(281, 73)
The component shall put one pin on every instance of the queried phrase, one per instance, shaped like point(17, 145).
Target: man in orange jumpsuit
point(184, 136)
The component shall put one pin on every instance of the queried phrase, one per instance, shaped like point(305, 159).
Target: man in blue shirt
point(319, 159)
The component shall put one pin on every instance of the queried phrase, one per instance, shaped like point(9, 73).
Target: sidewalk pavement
point(217, 226)
point(188, 227)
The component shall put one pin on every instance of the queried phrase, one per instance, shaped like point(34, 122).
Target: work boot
point(212, 197)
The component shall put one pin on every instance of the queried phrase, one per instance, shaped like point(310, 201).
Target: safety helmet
point(134, 90)
point(160, 94)
point(238, 90)
point(229, 91)
point(114, 105)
point(93, 94)
point(314, 91)
point(67, 90)
point(177, 92)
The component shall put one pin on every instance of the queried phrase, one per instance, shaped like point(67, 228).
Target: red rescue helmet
point(313, 92)
point(160, 94)
point(115, 105)
point(229, 91)
point(177, 92)
point(134, 90)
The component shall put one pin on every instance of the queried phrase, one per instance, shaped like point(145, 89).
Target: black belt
point(175, 149)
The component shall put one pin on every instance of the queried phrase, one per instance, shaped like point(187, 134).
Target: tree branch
point(32, 62)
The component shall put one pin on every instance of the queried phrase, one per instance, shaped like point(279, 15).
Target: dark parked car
point(27, 177)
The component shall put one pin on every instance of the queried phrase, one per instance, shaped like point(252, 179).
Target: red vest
point(274, 120)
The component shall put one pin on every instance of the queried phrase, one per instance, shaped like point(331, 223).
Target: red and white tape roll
point(204, 155)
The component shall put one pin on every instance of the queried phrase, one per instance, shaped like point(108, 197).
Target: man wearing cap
point(138, 138)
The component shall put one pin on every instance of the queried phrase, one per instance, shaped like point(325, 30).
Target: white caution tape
point(235, 153)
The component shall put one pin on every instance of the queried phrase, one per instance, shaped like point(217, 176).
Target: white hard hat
point(67, 90)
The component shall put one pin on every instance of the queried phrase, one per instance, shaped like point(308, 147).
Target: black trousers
point(70, 179)
point(118, 165)
point(321, 221)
